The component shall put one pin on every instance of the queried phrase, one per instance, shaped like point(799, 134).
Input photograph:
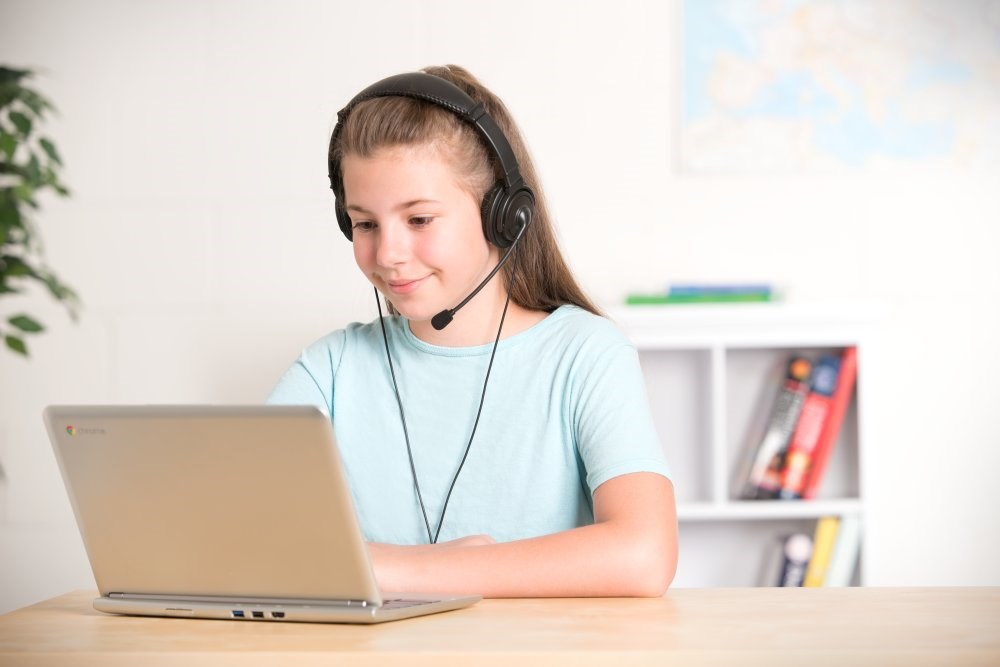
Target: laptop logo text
point(72, 430)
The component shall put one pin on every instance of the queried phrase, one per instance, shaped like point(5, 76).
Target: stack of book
point(703, 293)
point(828, 557)
point(788, 459)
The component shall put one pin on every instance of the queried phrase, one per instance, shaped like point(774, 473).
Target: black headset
point(507, 208)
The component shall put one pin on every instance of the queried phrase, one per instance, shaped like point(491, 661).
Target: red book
point(831, 429)
point(763, 477)
point(812, 420)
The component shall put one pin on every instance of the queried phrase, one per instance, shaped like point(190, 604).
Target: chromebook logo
point(72, 430)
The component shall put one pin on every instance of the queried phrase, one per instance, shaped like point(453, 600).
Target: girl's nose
point(393, 245)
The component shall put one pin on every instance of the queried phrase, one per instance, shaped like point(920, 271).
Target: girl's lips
point(404, 286)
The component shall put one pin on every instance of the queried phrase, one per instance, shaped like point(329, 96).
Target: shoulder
point(357, 337)
point(581, 346)
point(579, 328)
point(597, 359)
point(311, 378)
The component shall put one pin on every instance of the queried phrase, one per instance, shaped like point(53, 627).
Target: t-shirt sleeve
point(310, 379)
point(614, 426)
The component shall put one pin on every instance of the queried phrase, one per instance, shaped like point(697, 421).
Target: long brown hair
point(541, 279)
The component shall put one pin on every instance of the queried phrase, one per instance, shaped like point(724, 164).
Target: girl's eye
point(363, 226)
point(421, 220)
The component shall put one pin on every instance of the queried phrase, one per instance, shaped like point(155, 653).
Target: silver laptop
point(221, 512)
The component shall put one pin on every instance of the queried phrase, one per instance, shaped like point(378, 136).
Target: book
point(771, 562)
point(796, 551)
point(823, 541)
point(766, 459)
point(844, 558)
point(812, 419)
point(667, 299)
point(704, 293)
point(702, 289)
point(839, 402)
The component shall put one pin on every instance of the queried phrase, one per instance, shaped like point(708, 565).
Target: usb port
point(257, 614)
point(238, 613)
point(277, 614)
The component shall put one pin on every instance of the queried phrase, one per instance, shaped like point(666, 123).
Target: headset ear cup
point(518, 212)
point(505, 215)
point(491, 214)
point(344, 221)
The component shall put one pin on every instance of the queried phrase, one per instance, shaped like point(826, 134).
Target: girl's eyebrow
point(405, 205)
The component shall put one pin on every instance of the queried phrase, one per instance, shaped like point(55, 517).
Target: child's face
point(417, 233)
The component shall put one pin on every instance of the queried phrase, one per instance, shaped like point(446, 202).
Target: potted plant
point(29, 165)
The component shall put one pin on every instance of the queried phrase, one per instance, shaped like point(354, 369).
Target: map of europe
point(806, 85)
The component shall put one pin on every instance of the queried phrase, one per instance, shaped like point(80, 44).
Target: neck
point(477, 322)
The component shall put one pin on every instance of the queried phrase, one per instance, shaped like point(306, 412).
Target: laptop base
point(315, 612)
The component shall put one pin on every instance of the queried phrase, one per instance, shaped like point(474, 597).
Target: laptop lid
point(234, 501)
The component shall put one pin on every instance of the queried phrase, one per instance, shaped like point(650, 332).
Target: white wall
point(202, 240)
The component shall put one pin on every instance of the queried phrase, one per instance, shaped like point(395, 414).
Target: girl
point(507, 449)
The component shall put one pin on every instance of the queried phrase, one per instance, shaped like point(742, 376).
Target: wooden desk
point(846, 626)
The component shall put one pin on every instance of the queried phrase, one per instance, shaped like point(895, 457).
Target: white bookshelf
point(711, 373)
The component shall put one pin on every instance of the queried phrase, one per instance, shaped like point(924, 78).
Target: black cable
point(482, 398)
point(409, 451)
point(402, 417)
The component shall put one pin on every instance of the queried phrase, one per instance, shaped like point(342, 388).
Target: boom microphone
point(444, 318)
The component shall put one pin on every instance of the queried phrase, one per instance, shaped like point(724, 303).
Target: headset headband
point(506, 208)
point(434, 89)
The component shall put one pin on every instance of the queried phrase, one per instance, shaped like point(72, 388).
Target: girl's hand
point(391, 562)
point(629, 551)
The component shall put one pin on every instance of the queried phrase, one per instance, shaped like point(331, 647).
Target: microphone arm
point(444, 318)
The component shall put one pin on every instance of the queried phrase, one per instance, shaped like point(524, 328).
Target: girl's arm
point(630, 550)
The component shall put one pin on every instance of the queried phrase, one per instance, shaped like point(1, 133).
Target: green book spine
point(660, 299)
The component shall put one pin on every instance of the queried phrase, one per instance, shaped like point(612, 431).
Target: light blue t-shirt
point(565, 411)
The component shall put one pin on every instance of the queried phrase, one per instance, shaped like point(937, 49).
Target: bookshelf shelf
point(766, 510)
point(711, 372)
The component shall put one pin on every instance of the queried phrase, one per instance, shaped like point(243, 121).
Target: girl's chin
point(413, 312)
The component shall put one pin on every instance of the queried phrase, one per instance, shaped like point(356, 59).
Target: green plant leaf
point(11, 168)
point(9, 216)
point(25, 324)
point(22, 112)
point(21, 122)
point(25, 193)
point(34, 171)
point(16, 344)
point(38, 104)
point(15, 267)
point(9, 75)
point(8, 144)
point(50, 149)
point(51, 179)
point(59, 291)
